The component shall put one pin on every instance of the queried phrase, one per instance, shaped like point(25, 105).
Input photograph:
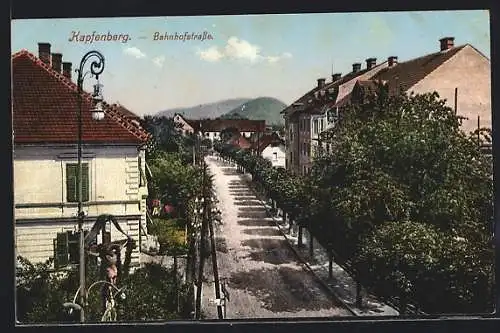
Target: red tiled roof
point(217, 125)
point(45, 108)
point(406, 74)
point(265, 141)
point(126, 112)
point(240, 141)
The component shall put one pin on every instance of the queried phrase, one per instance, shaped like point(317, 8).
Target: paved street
point(264, 277)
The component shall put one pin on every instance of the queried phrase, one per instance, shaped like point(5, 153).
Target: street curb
point(303, 261)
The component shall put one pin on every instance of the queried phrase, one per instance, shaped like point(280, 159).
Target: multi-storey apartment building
point(461, 75)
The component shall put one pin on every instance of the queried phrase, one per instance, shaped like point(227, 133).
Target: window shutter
point(71, 195)
point(56, 261)
point(85, 182)
point(61, 244)
point(71, 182)
point(74, 245)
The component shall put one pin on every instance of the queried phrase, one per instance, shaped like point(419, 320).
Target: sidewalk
point(341, 283)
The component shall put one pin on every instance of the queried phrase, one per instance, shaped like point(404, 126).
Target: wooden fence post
point(300, 243)
point(330, 264)
point(311, 244)
point(359, 297)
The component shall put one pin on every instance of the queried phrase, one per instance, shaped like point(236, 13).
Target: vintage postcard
point(253, 166)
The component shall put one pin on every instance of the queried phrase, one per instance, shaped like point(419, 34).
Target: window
point(71, 182)
point(304, 148)
point(321, 126)
point(275, 156)
point(315, 129)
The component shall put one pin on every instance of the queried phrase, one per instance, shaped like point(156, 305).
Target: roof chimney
point(336, 76)
point(321, 82)
point(370, 63)
point(392, 61)
point(56, 62)
point(356, 67)
point(44, 52)
point(66, 66)
point(446, 43)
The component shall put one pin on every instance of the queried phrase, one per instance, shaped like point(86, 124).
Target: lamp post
point(96, 68)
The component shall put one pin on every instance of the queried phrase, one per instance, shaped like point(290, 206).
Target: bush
point(151, 294)
point(171, 235)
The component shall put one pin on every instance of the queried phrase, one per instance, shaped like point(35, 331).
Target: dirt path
point(263, 275)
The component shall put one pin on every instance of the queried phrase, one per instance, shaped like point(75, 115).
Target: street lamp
point(96, 68)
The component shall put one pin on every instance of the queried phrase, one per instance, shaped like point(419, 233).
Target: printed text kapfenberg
point(76, 36)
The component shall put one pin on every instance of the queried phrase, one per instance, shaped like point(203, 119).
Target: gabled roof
point(45, 109)
point(405, 75)
point(240, 141)
point(217, 125)
point(265, 141)
point(126, 112)
point(332, 85)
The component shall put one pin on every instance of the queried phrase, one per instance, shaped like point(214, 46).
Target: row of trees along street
point(402, 200)
point(152, 292)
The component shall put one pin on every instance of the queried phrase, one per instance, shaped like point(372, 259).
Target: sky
point(241, 56)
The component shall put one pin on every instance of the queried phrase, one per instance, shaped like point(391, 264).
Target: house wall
point(318, 125)
point(292, 141)
point(186, 128)
point(304, 143)
point(216, 135)
point(470, 72)
point(277, 160)
point(41, 208)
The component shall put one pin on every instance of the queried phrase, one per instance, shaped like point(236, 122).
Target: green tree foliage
point(401, 174)
point(41, 292)
point(404, 198)
point(173, 179)
point(171, 235)
point(152, 293)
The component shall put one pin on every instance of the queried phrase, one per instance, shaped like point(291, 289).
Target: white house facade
point(275, 154)
point(45, 160)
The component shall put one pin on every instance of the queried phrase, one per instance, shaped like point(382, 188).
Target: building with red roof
point(45, 137)
point(461, 75)
point(272, 147)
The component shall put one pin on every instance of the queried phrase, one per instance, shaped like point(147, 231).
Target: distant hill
point(262, 108)
point(208, 110)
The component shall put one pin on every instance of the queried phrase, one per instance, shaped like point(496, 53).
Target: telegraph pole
point(220, 315)
point(202, 246)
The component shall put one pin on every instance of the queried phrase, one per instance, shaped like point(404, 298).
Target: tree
point(228, 133)
point(404, 199)
point(403, 158)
